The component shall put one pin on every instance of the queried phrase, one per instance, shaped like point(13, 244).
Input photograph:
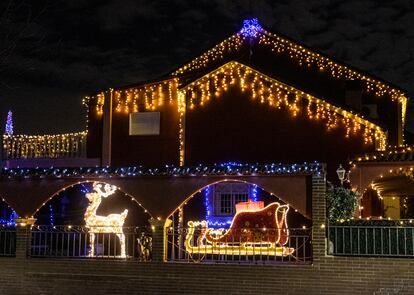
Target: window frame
point(239, 192)
point(157, 117)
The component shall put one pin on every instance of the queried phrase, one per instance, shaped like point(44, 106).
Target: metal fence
point(7, 241)
point(254, 246)
point(75, 241)
point(396, 241)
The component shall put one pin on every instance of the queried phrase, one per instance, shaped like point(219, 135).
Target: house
point(256, 97)
point(224, 159)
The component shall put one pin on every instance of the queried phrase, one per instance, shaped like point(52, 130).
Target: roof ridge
point(304, 53)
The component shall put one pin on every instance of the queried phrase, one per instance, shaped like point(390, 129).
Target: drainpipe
point(107, 130)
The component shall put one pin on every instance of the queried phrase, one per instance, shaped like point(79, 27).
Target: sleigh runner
point(254, 231)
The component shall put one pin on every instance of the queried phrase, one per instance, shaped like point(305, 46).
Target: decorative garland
point(224, 169)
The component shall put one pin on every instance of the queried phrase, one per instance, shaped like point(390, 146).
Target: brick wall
point(327, 274)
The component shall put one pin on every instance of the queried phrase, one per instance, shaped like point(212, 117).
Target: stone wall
point(327, 274)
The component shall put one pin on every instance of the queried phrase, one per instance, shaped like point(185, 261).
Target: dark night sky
point(74, 48)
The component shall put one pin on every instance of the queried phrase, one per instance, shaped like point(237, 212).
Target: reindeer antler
point(108, 189)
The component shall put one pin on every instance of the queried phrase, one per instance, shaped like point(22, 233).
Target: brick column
point(159, 239)
point(23, 236)
point(319, 216)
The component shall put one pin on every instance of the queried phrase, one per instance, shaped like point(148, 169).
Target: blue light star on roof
point(251, 28)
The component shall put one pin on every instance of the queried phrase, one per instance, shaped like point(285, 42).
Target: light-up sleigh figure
point(254, 231)
point(96, 224)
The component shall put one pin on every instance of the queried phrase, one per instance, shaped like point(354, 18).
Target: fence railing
point(70, 145)
point(7, 241)
point(76, 241)
point(396, 241)
point(255, 246)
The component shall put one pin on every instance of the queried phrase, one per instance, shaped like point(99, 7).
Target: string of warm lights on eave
point(142, 98)
point(303, 56)
point(152, 96)
point(397, 152)
point(278, 95)
point(306, 57)
point(231, 44)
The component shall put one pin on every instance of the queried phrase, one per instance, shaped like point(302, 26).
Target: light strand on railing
point(44, 146)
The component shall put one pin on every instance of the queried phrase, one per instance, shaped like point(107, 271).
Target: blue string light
point(224, 169)
point(251, 28)
point(51, 217)
point(207, 202)
point(9, 221)
point(222, 221)
point(254, 193)
point(83, 189)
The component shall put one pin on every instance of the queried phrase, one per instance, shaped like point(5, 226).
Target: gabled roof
point(302, 54)
point(278, 94)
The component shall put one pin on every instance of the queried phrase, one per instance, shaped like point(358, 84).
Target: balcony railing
point(70, 145)
point(75, 241)
point(259, 246)
point(392, 241)
point(7, 241)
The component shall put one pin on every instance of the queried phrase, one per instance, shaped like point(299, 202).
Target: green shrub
point(341, 203)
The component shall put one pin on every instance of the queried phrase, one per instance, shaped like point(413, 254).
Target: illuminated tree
point(341, 203)
point(9, 124)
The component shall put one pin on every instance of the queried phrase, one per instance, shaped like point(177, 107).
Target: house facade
point(248, 99)
point(225, 159)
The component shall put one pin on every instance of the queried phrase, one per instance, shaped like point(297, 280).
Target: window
point(147, 123)
point(227, 195)
point(225, 204)
point(240, 197)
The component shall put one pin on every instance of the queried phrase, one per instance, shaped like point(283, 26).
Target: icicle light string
point(276, 94)
point(44, 146)
point(302, 55)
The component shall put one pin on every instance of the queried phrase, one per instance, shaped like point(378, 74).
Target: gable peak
point(251, 28)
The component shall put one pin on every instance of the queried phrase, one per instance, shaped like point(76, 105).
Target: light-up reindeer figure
point(103, 224)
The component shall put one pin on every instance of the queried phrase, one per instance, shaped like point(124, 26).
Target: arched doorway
point(7, 214)
point(91, 219)
point(390, 196)
point(7, 229)
point(237, 220)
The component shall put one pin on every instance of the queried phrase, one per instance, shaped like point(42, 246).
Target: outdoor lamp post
point(341, 174)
